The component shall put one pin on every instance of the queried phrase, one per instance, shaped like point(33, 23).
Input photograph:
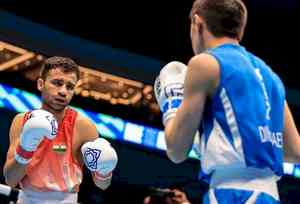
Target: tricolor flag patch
point(59, 148)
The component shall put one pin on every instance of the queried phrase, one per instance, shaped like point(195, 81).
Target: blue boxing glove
point(168, 88)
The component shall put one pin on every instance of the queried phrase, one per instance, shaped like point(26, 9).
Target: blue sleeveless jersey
point(242, 124)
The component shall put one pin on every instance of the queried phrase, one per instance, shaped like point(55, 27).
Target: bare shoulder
point(204, 63)
point(204, 72)
point(83, 122)
point(16, 127)
point(17, 121)
point(19, 117)
point(85, 129)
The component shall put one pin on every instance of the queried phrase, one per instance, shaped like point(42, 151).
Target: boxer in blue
point(237, 104)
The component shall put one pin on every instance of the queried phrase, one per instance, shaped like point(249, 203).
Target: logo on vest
point(266, 135)
point(59, 148)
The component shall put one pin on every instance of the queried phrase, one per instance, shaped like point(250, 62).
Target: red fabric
point(51, 170)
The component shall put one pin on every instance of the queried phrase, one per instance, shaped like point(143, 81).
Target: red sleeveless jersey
point(53, 167)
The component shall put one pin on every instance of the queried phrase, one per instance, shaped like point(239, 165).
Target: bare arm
point(13, 171)
point(87, 131)
point(291, 139)
point(201, 79)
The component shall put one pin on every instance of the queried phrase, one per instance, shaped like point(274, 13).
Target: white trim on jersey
point(249, 178)
point(218, 151)
point(232, 123)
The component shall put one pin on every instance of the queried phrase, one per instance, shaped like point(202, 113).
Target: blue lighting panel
point(108, 126)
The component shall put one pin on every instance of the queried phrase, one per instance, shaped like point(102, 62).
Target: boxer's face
point(58, 88)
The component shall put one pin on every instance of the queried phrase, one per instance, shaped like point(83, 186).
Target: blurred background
point(121, 46)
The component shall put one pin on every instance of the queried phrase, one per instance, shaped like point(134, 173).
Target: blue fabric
point(249, 105)
point(234, 196)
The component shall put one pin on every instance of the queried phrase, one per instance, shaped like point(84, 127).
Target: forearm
point(179, 137)
point(102, 182)
point(291, 138)
point(291, 159)
point(292, 155)
point(13, 172)
point(176, 150)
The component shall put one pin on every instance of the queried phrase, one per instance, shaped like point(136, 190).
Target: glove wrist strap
point(171, 103)
point(22, 156)
point(102, 177)
point(170, 107)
